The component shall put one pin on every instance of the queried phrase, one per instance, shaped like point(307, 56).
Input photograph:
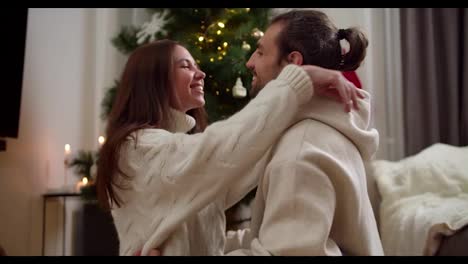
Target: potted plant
point(96, 234)
point(84, 166)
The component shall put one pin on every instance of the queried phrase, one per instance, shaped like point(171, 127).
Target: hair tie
point(341, 34)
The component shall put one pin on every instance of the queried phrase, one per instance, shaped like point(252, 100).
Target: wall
point(68, 63)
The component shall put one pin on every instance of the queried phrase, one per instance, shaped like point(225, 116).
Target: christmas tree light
point(221, 40)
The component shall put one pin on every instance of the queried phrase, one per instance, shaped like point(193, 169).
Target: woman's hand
point(333, 84)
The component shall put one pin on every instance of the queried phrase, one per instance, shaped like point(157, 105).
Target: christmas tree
point(219, 39)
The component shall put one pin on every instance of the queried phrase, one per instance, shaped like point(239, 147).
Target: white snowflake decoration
point(149, 29)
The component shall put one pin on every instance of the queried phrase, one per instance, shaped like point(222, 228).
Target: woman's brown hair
point(143, 100)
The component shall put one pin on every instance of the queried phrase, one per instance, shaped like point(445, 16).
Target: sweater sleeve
point(196, 169)
point(299, 208)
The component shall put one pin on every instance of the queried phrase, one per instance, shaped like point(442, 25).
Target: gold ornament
point(245, 46)
point(257, 33)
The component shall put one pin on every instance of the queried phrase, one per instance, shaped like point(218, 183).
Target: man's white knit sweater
point(180, 182)
point(312, 198)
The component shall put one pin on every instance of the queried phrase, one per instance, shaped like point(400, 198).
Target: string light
point(210, 40)
point(218, 32)
point(211, 59)
point(220, 58)
point(217, 92)
point(224, 53)
point(201, 38)
point(225, 44)
point(219, 48)
point(221, 24)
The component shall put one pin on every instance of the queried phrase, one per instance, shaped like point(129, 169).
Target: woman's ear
point(295, 57)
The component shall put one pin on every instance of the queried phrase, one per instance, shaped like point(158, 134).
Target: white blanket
point(424, 197)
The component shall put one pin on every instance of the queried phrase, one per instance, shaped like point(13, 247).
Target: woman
point(166, 187)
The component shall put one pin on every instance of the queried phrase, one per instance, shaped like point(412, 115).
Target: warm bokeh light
point(67, 149)
point(101, 140)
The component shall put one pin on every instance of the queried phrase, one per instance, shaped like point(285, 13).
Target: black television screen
point(14, 21)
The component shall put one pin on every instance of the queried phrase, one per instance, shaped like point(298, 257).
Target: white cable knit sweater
point(175, 175)
point(312, 198)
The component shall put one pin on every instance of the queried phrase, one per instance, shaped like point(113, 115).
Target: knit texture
point(174, 176)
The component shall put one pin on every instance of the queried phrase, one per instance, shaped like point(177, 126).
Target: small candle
point(65, 162)
point(67, 149)
point(101, 140)
point(81, 184)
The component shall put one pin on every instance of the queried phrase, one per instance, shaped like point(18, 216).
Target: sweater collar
point(180, 122)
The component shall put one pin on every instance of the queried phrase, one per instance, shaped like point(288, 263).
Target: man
point(312, 198)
